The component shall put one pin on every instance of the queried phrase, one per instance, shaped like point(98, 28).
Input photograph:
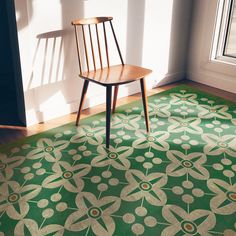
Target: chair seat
point(115, 75)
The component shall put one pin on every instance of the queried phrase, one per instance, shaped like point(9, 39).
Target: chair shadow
point(48, 68)
point(56, 41)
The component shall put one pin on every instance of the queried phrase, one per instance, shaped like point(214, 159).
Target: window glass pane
point(230, 47)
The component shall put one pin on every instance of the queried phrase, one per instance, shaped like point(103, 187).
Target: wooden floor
point(11, 133)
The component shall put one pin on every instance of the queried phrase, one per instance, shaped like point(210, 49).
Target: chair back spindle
point(85, 48)
point(91, 42)
point(90, 29)
point(78, 49)
point(99, 48)
point(105, 39)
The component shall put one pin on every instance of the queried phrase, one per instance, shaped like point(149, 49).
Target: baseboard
point(124, 91)
point(170, 78)
point(217, 80)
point(48, 113)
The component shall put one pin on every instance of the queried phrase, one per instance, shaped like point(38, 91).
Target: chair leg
point(145, 103)
point(115, 98)
point(84, 91)
point(108, 114)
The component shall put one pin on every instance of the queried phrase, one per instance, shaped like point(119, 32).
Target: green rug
point(179, 180)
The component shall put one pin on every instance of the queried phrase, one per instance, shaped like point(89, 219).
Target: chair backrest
point(88, 45)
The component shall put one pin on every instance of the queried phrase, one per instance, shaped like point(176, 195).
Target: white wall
point(152, 33)
point(200, 66)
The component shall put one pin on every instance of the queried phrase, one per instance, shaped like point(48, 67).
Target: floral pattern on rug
point(180, 179)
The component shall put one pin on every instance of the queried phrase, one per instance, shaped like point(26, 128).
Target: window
point(224, 48)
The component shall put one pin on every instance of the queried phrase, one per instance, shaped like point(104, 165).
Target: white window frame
point(223, 21)
point(204, 67)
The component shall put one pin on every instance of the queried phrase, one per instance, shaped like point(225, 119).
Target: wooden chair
point(108, 75)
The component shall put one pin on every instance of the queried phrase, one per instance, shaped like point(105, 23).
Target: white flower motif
point(217, 145)
point(233, 121)
point(14, 198)
point(191, 164)
point(33, 228)
point(158, 110)
point(7, 165)
point(189, 125)
point(148, 187)
point(94, 214)
point(48, 149)
point(129, 122)
point(88, 134)
point(116, 157)
point(198, 222)
point(156, 140)
point(68, 176)
point(229, 232)
point(185, 98)
point(224, 203)
point(217, 111)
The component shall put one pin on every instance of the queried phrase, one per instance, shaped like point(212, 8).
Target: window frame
point(222, 27)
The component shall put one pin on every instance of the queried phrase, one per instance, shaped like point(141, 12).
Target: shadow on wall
point(46, 77)
point(24, 13)
point(179, 38)
point(53, 64)
point(50, 56)
point(135, 35)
